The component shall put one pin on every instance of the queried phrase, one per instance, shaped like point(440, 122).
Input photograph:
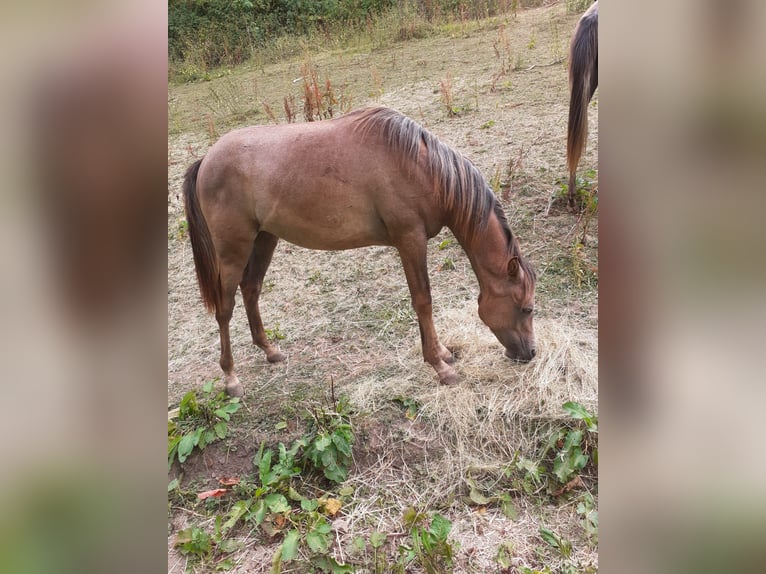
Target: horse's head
point(507, 308)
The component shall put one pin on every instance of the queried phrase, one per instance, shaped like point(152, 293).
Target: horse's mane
point(463, 190)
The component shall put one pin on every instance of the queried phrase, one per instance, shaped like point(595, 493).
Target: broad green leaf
point(276, 562)
point(233, 406)
point(186, 446)
point(440, 527)
point(259, 455)
point(259, 511)
point(294, 495)
point(237, 511)
point(504, 555)
point(317, 541)
point(509, 509)
point(322, 443)
point(281, 425)
point(206, 438)
point(577, 411)
point(358, 544)
point(221, 430)
point(309, 505)
point(276, 502)
point(341, 443)
point(378, 539)
point(549, 537)
point(208, 387)
point(336, 473)
point(562, 469)
point(323, 527)
point(220, 413)
point(183, 536)
point(187, 405)
point(579, 460)
point(338, 568)
point(346, 491)
point(173, 443)
point(173, 484)
point(329, 565)
point(573, 439)
point(478, 498)
point(264, 468)
point(329, 458)
point(224, 565)
point(290, 545)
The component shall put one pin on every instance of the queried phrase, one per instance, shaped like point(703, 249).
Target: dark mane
point(465, 193)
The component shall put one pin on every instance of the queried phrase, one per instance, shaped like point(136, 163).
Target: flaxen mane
point(464, 191)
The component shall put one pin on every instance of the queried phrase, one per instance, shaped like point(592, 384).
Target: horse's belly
point(329, 231)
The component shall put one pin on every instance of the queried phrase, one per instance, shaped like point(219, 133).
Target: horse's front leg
point(413, 255)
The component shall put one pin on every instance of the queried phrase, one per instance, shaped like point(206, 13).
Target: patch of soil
point(391, 440)
point(222, 459)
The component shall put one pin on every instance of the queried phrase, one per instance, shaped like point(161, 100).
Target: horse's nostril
point(532, 353)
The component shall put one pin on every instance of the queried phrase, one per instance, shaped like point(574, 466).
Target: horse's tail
point(205, 256)
point(583, 80)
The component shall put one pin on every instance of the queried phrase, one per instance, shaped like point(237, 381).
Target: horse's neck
point(487, 251)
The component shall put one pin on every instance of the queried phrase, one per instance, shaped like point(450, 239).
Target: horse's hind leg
point(231, 271)
point(252, 283)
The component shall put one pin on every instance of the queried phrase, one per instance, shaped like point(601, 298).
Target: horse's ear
point(513, 267)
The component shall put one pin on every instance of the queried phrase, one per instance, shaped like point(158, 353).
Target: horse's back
point(322, 185)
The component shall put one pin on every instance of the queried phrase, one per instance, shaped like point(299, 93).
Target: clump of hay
point(473, 429)
point(497, 408)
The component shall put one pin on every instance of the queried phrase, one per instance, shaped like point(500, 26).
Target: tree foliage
point(211, 33)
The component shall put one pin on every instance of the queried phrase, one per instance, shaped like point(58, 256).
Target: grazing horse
point(371, 177)
point(583, 80)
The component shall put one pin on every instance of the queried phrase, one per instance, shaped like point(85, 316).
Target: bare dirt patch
point(346, 316)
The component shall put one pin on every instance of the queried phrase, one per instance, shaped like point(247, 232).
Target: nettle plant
point(574, 447)
point(202, 419)
point(273, 499)
point(329, 441)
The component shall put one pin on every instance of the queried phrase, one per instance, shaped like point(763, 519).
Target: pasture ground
point(345, 317)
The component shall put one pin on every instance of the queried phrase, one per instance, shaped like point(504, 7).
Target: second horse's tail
point(205, 256)
point(583, 80)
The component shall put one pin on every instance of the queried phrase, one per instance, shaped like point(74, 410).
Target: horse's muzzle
point(521, 358)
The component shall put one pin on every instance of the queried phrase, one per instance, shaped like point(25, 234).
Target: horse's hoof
point(234, 388)
point(275, 357)
point(451, 379)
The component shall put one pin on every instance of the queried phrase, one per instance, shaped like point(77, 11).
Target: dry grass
point(347, 317)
